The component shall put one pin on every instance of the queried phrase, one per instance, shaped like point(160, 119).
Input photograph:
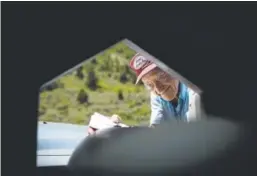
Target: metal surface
point(57, 141)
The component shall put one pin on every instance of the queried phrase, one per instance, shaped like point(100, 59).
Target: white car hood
point(59, 138)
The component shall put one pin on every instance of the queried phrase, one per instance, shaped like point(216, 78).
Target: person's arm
point(156, 111)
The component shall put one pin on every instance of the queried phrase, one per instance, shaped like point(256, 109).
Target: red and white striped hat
point(141, 66)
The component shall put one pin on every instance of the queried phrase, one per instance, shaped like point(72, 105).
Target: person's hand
point(115, 118)
point(90, 131)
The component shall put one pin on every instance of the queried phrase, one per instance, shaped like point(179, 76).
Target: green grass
point(61, 104)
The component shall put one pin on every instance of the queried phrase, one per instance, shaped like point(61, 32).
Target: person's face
point(161, 83)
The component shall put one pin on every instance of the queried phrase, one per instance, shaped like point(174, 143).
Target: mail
point(99, 121)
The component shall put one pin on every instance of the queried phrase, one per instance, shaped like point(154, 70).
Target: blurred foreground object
point(170, 148)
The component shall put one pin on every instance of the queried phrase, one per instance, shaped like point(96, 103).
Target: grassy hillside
point(103, 84)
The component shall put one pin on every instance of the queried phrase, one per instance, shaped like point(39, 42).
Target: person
point(170, 98)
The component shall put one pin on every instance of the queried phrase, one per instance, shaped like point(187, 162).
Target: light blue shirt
point(162, 110)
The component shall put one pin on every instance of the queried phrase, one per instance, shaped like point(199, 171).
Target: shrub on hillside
point(120, 95)
point(93, 61)
point(123, 78)
point(82, 97)
point(92, 81)
point(79, 73)
point(52, 86)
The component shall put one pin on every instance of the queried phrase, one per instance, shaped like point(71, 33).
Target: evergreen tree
point(93, 61)
point(123, 78)
point(120, 95)
point(92, 80)
point(52, 86)
point(79, 73)
point(82, 97)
